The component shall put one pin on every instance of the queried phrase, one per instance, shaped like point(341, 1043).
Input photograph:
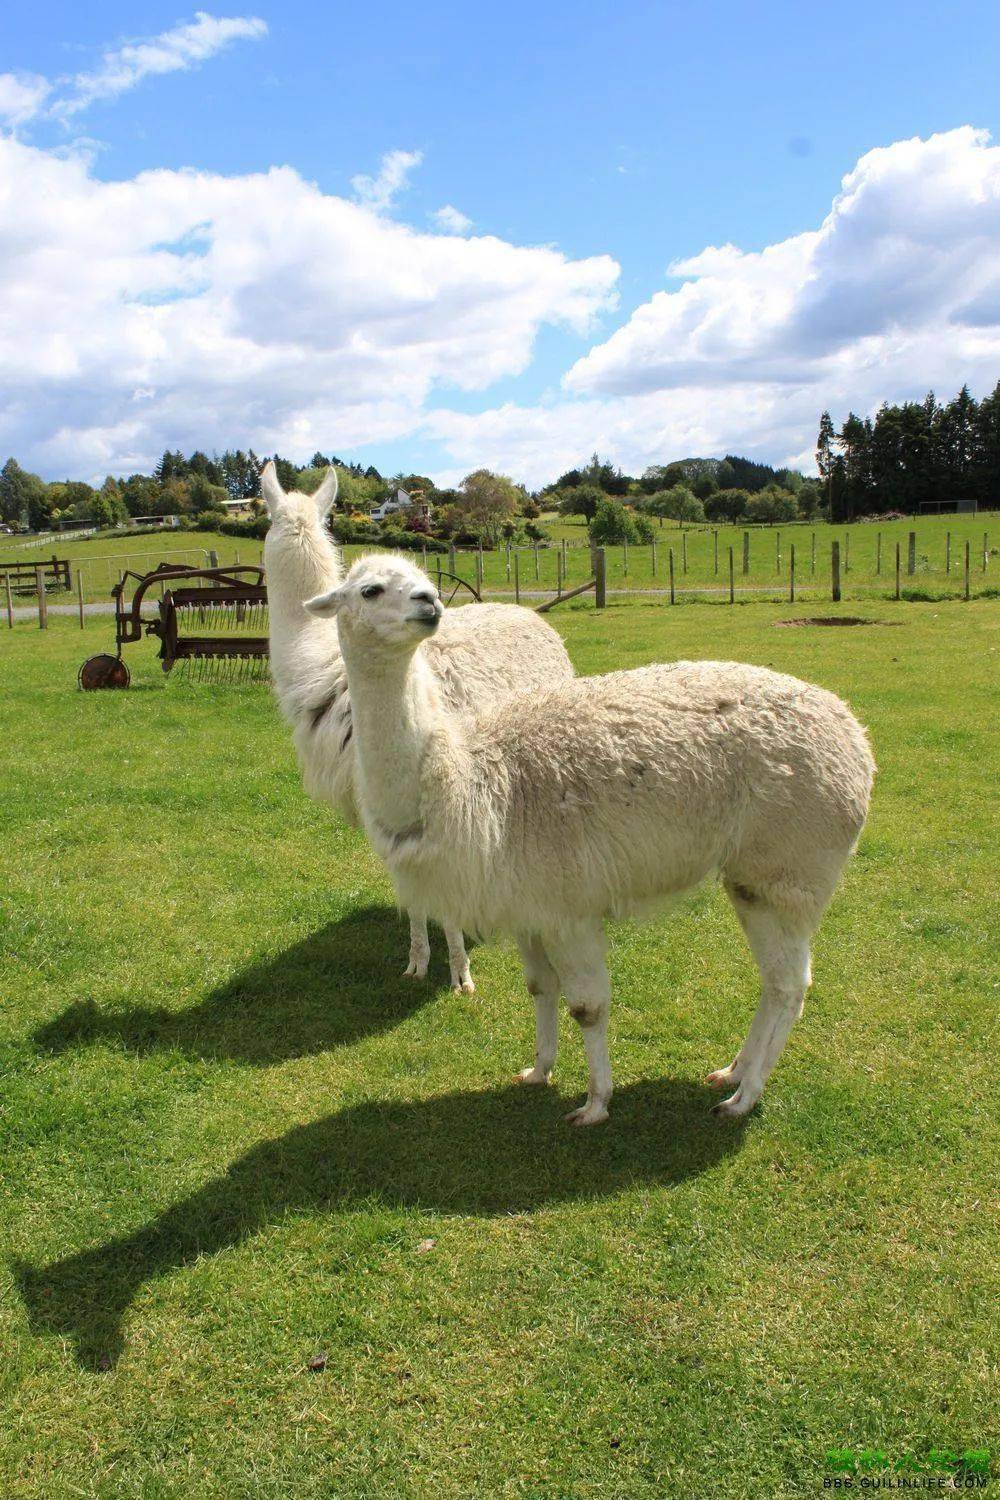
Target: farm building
point(400, 501)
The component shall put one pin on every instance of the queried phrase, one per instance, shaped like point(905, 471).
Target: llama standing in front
point(601, 796)
point(482, 652)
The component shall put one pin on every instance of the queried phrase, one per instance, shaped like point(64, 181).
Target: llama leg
point(420, 948)
point(579, 960)
point(543, 986)
point(458, 962)
point(781, 950)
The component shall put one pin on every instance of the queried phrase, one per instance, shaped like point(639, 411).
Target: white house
point(391, 505)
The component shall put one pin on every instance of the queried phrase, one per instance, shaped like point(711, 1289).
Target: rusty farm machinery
point(210, 622)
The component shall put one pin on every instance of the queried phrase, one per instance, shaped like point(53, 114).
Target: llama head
point(384, 603)
point(295, 506)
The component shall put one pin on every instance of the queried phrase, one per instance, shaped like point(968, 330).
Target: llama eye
point(372, 591)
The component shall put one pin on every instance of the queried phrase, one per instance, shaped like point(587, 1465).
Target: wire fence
point(774, 565)
point(780, 564)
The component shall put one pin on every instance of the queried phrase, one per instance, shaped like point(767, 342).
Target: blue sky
point(643, 133)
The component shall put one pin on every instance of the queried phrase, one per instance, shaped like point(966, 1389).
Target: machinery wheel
point(450, 585)
point(103, 672)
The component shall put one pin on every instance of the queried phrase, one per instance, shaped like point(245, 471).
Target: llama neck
point(396, 711)
point(301, 561)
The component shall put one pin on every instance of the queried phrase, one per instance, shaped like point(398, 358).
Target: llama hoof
point(723, 1078)
point(463, 986)
point(588, 1114)
point(738, 1104)
point(414, 970)
point(531, 1075)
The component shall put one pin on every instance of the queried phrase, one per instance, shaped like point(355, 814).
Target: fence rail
point(23, 576)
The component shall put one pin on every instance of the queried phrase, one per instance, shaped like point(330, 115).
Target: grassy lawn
point(701, 558)
point(235, 1140)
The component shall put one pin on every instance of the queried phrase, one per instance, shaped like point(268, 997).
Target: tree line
point(912, 455)
point(905, 457)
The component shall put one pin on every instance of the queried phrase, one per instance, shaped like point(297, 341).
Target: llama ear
point(324, 497)
point(325, 605)
point(270, 488)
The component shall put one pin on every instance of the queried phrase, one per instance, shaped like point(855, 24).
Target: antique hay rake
point(211, 622)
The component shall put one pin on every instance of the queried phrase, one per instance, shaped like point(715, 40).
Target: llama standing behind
point(482, 652)
point(601, 796)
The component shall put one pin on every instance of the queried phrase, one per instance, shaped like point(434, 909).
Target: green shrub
point(612, 523)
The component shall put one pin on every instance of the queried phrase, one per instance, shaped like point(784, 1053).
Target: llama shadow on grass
point(496, 1152)
point(338, 985)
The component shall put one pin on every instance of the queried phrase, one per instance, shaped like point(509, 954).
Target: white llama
point(481, 652)
point(601, 796)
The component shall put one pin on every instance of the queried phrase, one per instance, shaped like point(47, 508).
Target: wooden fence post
point(897, 570)
point(791, 574)
point(10, 603)
point(715, 548)
point(536, 562)
point(79, 593)
point(814, 554)
point(508, 562)
point(835, 571)
point(43, 603)
point(684, 551)
point(777, 552)
point(878, 553)
point(559, 572)
point(517, 581)
point(625, 559)
point(671, 560)
point(213, 558)
point(986, 549)
point(947, 552)
point(968, 561)
point(847, 551)
point(732, 582)
point(746, 553)
point(653, 545)
point(911, 555)
point(479, 572)
point(600, 578)
point(451, 557)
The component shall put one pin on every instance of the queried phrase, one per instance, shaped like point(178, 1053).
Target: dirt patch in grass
point(836, 620)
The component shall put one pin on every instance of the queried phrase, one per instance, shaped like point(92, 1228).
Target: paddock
point(272, 1210)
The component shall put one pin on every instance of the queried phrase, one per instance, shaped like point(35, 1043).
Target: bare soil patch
point(835, 620)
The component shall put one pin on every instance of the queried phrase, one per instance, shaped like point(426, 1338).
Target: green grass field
point(863, 572)
point(236, 1142)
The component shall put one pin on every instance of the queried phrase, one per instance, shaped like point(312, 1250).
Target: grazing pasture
point(867, 567)
point(275, 1221)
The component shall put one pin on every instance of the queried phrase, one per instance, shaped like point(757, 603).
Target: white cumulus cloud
point(395, 167)
point(895, 293)
point(188, 309)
